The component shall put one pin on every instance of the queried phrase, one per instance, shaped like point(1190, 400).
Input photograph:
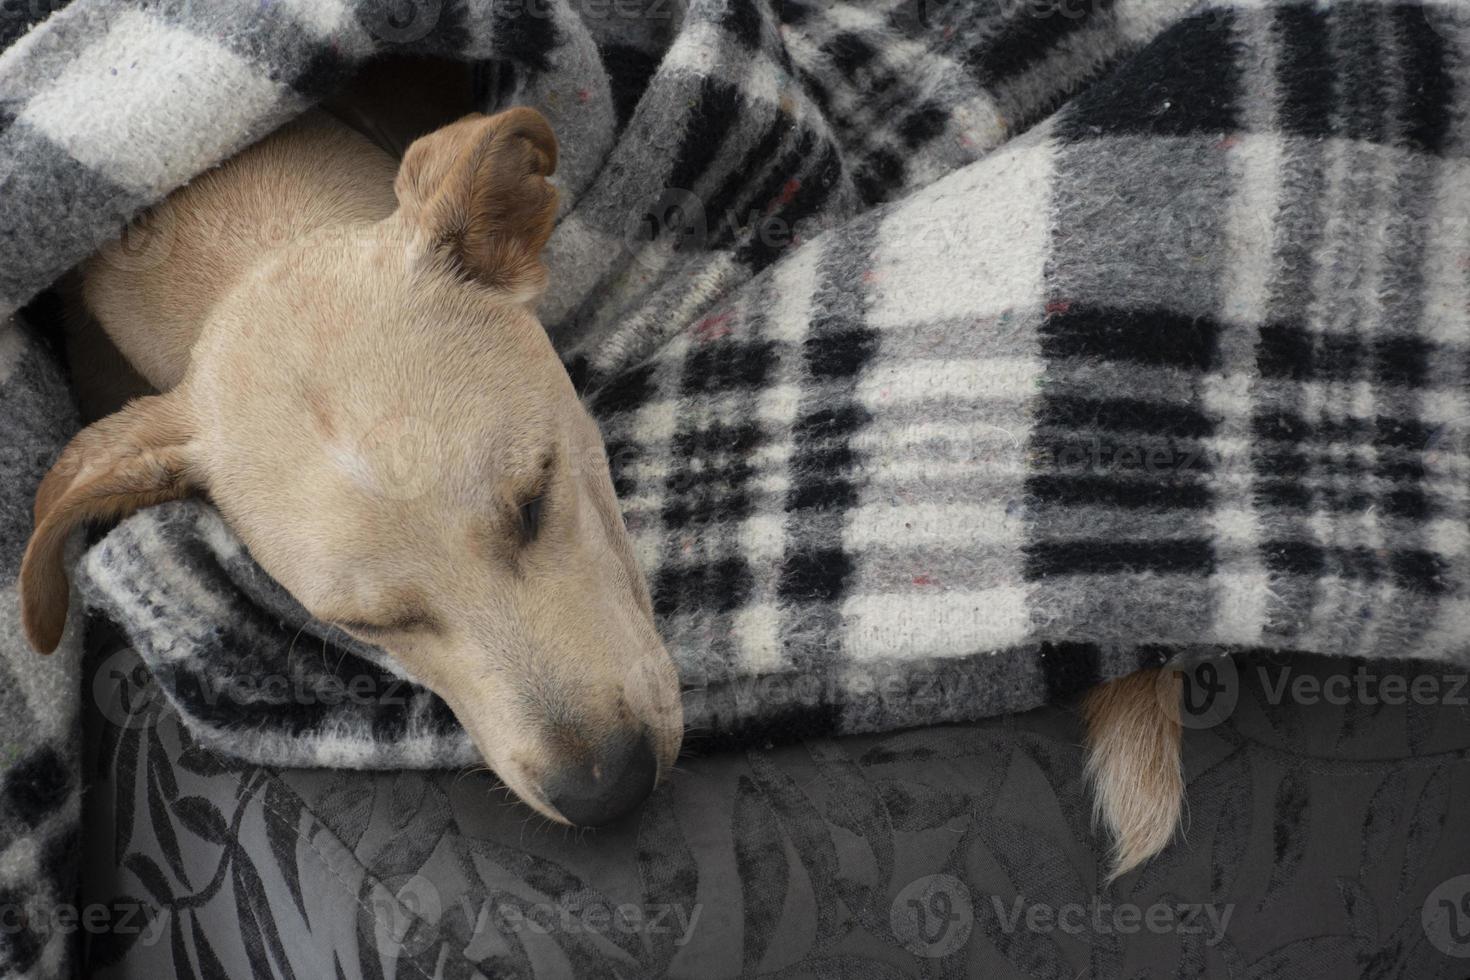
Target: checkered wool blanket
point(952, 357)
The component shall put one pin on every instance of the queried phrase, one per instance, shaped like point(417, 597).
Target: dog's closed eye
point(533, 503)
point(530, 517)
point(405, 622)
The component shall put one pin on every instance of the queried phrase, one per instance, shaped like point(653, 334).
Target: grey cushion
point(1323, 831)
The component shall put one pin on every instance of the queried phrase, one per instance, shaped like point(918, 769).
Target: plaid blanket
point(952, 357)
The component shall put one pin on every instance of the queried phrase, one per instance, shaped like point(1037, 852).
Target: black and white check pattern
point(951, 357)
point(40, 780)
point(1156, 375)
point(1180, 369)
point(701, 146)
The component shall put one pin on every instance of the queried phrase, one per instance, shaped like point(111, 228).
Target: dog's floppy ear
point(477, 190)
point(131, 459)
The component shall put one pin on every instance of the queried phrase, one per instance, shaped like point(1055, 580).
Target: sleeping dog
point(353, 371)
point(324, 309)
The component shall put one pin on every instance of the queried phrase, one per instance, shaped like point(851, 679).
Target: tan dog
point(354, 373)
point(321, 308)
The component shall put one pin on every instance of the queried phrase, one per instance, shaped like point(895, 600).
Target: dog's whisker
point(291, 647)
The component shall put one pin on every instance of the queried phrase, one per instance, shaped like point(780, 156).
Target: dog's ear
point(478, 192)
point(131, 459)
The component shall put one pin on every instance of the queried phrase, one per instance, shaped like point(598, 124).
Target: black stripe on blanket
point(1068, 669)
point(525, 33)
point(1331, 81)
point(715, 104)
point(1155, 337)
point(815, 574)
point(788, 204)
point(1183, 83)
point(1032, 33)
point(629, 70)
point(1427, 79)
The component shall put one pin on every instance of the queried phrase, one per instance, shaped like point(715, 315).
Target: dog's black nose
point(613, 783)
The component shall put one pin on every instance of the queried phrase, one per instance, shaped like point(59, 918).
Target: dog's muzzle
point(611, 783)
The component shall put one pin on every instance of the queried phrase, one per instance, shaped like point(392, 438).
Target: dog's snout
point(606, 784)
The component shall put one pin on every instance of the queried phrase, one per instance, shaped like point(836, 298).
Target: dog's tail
point(1133, 763)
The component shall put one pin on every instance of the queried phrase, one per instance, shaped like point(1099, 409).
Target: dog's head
point(382, 419)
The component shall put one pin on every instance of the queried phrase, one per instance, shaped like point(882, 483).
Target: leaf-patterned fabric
point(1322, 842)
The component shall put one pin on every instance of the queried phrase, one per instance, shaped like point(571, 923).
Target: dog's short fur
point(1134, 739)
point(353, 372)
